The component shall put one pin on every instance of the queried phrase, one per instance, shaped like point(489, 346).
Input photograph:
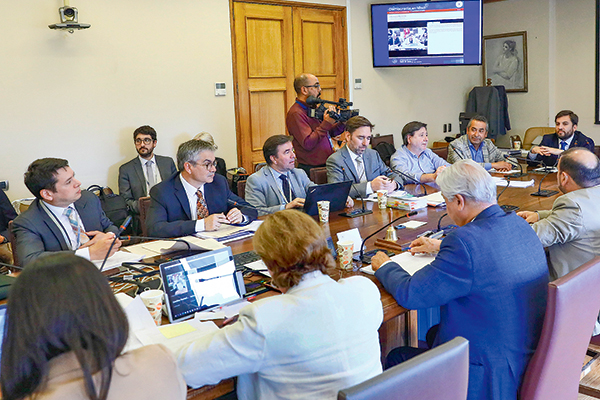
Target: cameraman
point(312, 138)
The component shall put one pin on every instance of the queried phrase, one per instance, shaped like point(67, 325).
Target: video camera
point(344, 114)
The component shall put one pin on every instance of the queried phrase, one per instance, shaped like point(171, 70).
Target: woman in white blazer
point(316, 338)
point(64, 335)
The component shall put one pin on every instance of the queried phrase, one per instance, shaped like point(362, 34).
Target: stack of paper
point(159, 247)
point(230, 233)
point(410, 263)
point(117, 259)
point(516, 184)
point(405, 204)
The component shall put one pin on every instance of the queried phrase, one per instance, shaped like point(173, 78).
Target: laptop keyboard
point(242, 259)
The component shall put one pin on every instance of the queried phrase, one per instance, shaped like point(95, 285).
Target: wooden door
point(272, 43)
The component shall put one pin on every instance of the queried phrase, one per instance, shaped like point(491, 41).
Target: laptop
point(201, 282)
point(335, 193)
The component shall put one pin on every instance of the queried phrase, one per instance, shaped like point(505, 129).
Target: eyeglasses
point(145, 141)
point(206, 164)
point(316, 85)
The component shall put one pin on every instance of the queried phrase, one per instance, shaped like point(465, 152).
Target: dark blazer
point(132, 183)
point(552, 140)
point(169, 213)
point(7, 214)
point(37, 234)
point(492, 290)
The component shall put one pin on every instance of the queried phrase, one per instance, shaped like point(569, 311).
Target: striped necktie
point(80, 236)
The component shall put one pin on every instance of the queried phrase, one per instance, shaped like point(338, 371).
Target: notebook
point(201, 282)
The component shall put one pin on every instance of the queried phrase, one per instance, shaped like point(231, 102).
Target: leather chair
point(318, 175)
point(144, 204)
point(241, 189)
point(439, 373)
point(441, 151)
point(573, 304)
point(375, 140)
point(532, 133)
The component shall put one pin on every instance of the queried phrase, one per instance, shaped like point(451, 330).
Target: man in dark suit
point(196, 199)
point(492, 289)
point(137, 177)
point(62, 217)
point(565, 137)
point(358, 163)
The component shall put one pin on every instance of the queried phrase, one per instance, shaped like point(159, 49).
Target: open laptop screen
point(200, 282)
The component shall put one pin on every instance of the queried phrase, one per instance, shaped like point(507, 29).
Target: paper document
point(229, 233)
point(351, 235)
point(117, 259)
point(259, 266)
point(516, 184)
point(410, 263)
point(138, 317)
point(175, 336)
point(434, 199)
point(159, 247)
point(413, 224)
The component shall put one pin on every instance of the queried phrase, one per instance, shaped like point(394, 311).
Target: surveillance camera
point(69, 13)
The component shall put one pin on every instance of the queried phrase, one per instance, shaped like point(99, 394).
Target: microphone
point(506, 207)
point(414, 181)
point(362, 245)
point(462, 157)
point(121, 229)
point(235, 204)
point(516, 174)
point(544, 193)
point(355, 213)
point(10, 266)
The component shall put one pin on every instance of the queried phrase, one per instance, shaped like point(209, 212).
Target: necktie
point(201, 209)
point(150, 174)
point(563, 145)
point(360, 169)
point(287, 190)
point(80, 236)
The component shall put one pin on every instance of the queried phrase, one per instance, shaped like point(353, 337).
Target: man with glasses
point(196, 199)
point(312, 138)
point(139, 175)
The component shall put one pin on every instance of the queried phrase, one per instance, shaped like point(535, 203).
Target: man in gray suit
point(278, 185)
point(360, 164)
point(571, 230)
point(476, 147)
point(137, 177)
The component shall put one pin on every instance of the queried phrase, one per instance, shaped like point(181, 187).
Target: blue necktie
point(563, 145)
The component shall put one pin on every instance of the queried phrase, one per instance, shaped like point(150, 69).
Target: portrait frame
point(505, 61)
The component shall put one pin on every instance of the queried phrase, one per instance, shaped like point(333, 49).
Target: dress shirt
point(353, 156)
point(190, 192)
point(155, 171)
point(414, 166)
point(477, 155)
point(59, 213)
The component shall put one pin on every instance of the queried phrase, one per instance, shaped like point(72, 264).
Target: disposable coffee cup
point(345, 250)
point(323, 207)
point(382, 198)
point(153, 300)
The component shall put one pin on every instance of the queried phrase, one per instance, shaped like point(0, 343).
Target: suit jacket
point(319, 337)
point(7, 214)
point(169, 213)
point(340, 167)
point(262, 191)
point(491, 102)
point(132, 183)
point(38, 234)
point(459, 149)
point(552, 140)
point(492, 290)
point(146, 373)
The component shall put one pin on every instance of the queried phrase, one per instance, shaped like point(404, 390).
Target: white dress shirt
point(353, 156)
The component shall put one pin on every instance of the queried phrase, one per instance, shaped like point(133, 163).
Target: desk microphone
point(516, 174)
point(235, 204)
point(355, 213)
point(462, 157)
point(540, 192)
point(410, 178)
point(506, 207)
point(121, 229)
point(11, 266)
point(362, 245)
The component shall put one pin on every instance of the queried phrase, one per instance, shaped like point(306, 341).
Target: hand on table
point(383, 183)
point(235, 216)
point(99, 244)
point(529, 216)
point(378, 259)
point(502, 166)
point(296, 203)
point(214, 221)
point(546, 151)
point(425, 245)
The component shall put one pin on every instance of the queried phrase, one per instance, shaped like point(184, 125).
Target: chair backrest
point(13, 243)
point(441, 151)
point(439, 373)
point(385, 150)
point(375, 140)
point(318, 175)
point(573, 304)
point(241, 189)
point(532, 133)
point(144, 204)
point(258, 166)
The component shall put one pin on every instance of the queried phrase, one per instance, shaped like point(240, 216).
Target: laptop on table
point(335, 193)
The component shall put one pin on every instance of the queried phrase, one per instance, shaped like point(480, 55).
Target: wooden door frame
point(236, 96)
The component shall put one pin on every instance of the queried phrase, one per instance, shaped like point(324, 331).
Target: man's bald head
point(581, 165)
point(302, 81)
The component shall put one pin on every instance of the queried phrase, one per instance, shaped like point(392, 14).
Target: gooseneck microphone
point(414, 181)
point(516, 174)
point(10, 266)
point(506, 207)
point(355, 213)
point(121, 229)
point(362, 245)
point(462, 157)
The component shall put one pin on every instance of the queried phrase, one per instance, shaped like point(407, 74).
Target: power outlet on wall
point(4, 185)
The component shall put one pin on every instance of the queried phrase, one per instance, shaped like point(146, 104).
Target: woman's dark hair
point(60, 303)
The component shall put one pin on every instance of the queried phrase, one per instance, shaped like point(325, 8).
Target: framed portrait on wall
point(505, 61)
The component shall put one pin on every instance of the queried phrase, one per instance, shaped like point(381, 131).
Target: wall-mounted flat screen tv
point(427, 33)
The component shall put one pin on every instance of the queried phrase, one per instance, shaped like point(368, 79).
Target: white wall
point(154, 62)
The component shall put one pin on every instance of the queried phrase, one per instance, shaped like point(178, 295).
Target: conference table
point(399, 326)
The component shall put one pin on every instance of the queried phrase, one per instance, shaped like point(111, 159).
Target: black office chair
point(441, 373)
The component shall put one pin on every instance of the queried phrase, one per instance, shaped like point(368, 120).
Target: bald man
point(571, 230)
point(312, 138)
